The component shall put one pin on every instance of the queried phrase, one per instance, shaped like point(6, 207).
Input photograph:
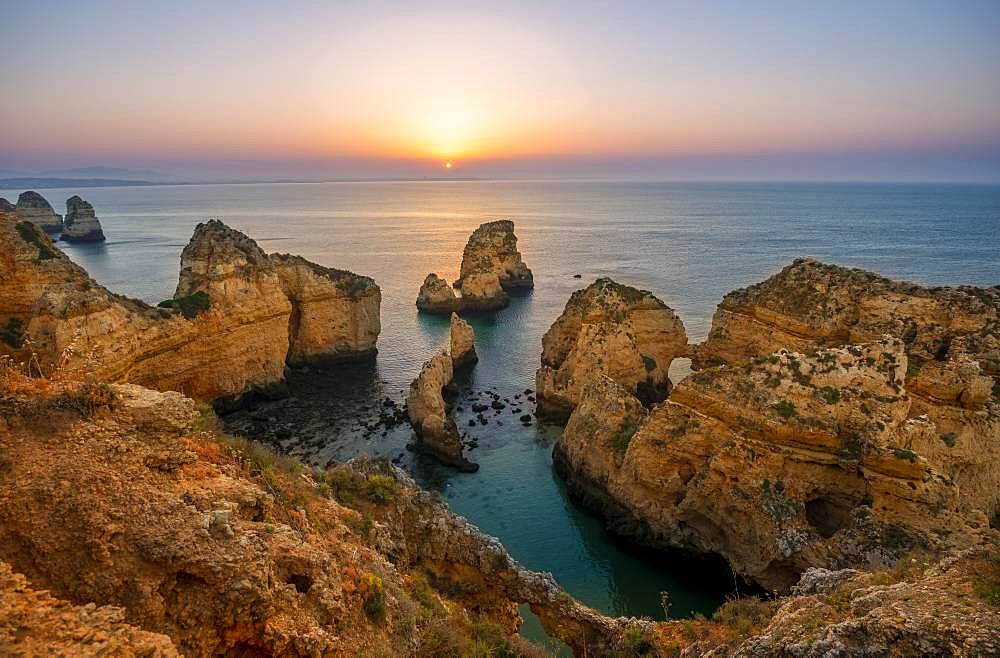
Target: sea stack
point(6, 206)
point(463, 347)
point(32, 207)
point(612, 329)
point(81, 223)
point(436, 296)
point(437, 434)
point(491, 266)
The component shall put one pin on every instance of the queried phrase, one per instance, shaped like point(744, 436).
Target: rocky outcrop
point(6, 206)
point(335, 313)
point(436, 296)
point(436, 432)
point(81, 223)
point(123, 496)
point(789, 462)
point(492, 248)
point(482, 291)
point(951, 338)
point(224, 334)
point(34, 623)
point(614, 330)
point(463, 346)
point(32, 207)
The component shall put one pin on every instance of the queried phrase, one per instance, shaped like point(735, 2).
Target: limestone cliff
point(32, 207)
point(436, 432)
point(81, 223)
point(951, 337)
point(788, 462)
point(123, 496)
point(462, 339)
point(492, 248)
point(224, 334)
point(436, 296)
point(335, 313)
point(610, 329)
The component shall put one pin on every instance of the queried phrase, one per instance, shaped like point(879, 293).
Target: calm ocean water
point(688, 243)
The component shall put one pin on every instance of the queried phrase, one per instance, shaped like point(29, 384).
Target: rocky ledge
point(614, 330)
point(463, 343)
point(32, 207)
point(436, 432)
point(436, 296)
point(81, 224)
point(225, 333)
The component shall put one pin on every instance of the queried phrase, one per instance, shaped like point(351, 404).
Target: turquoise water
point(688, 243)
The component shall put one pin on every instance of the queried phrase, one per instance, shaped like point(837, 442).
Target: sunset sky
point(201, 90)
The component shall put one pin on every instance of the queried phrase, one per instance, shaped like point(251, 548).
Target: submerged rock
point(463, 348)
point(436, 432)
point(32, 207)
point(436, 296)
point(81, 223)
point(614, 330)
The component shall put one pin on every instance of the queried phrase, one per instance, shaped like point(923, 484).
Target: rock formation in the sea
point(951, 337)
point(789, 462)
point(463, 346)
point(610, 329)
point(32, 207)
point(81, 223)
point(492, 248)
point(436, 296)
point(224, 334)
point(436, 432)
point(335, 313)
point(123, 496)
point(6, 206)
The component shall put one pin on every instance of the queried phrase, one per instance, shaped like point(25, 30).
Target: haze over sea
point(689, 243)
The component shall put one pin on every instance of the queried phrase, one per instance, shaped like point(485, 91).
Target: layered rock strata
point(951, 338)
point(463, 345)
point(32, 207)
point(492, 248)
point(81, 223)
point(788, 462)
point(436, 296)
point(335, 313)
point(225, 333)
point(614, 330)
point(436, 432)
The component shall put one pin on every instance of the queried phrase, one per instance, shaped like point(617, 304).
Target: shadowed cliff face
point(226, 332)
point(614, 330)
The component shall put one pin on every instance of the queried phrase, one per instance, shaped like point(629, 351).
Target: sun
point(447, 165)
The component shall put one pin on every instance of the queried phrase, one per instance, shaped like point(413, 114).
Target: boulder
point(32, 207)
point(609, 329)
point(463, 348)
point(436, 296)
point(335, 313)
point(436, 432)
point(81, 223)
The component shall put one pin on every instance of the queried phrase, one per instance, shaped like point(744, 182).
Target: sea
point(688, 243)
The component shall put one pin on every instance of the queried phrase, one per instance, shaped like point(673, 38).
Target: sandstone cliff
point(335, 313)
point(81, 223)
point(785, 463)
point(32, 207)
point(610, 329)
point(436, 432)
point(462, 339)
point(951, 337)
point(123, 496)
point(224, 334)
point(436, 296)
point(492, 248)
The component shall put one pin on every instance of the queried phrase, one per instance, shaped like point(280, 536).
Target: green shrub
point(785, 409)
point(381, 488)
point(33, 236)
point(987, 585)
point(191, 306)
point(374, 605)
point(620, 441)
point(830, 395)
point(649, 363)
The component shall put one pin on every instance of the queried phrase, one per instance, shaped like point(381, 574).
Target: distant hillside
point(42, 183)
